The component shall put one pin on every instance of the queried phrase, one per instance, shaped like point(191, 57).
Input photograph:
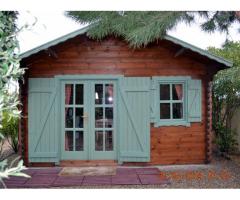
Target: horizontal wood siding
point(113, 56)
point(80, 55)
point(180, 144)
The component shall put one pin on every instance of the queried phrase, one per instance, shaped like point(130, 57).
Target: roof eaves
point(167, 37)
point(54, 42)
point(199, 50)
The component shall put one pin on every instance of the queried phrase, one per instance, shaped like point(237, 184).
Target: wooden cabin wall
point(169, 145)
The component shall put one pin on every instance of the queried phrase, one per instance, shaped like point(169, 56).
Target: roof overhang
point(81, 31)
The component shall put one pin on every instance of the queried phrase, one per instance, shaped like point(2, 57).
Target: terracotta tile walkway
point(48, 178)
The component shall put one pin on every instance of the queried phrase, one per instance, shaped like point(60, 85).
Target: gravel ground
point(220, 173)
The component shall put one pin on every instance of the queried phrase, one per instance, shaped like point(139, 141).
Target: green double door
point(88, 120)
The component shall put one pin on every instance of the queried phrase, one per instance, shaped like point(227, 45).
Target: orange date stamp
point(197, 175)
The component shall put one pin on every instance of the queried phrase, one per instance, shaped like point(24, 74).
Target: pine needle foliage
point(220, 21)
point(139, 28)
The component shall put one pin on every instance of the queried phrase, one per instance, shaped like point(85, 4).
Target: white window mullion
point(74, 113)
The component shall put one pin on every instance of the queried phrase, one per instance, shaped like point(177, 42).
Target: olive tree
point(10, 73)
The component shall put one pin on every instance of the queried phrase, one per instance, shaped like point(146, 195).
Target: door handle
point(85, 115)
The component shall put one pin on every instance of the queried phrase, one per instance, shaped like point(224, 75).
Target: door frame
point(61, 80)
point(102, 155)
point(73, 154)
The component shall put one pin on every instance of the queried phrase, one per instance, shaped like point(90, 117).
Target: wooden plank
point(81, 55)
point(87, 163)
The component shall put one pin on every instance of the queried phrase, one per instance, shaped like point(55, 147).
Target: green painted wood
point(43, 120)
point(153, 99)
point(156, 81)
point(102, 155)
point(89, 152)
point(74, 155)
point(134, 119)
point(88, 77)
point(133, 113)
point(194, 101)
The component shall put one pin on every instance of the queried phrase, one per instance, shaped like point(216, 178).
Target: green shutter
point(194, 101)
point(153, 101)
point(43, 113)
point(134, 119)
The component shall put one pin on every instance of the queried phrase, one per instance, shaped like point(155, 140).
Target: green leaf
point(22, 175)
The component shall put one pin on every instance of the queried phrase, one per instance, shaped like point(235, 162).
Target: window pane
point(177, 92)
point(98, 117)
point(108, 117)
point(69, 141)
point(68, 94)
point(109, 94)
point(108, 141)
point(79, 94)
point(79, 141)
point(78, 118)
point(164, 92)
point(98, 93)
point(164, 110)
point(99, 140)
point(69, 117)
point(177, 111)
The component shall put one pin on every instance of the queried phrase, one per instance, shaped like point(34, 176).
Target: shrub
point(10, 130)
point(225, 138)
point(226, 96)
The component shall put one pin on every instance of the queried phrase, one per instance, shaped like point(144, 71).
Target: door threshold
point(87, 163)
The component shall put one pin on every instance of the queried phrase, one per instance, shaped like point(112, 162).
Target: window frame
point(157, 81)
point(171, 101)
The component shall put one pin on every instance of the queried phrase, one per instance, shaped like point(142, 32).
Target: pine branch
point(139, 28)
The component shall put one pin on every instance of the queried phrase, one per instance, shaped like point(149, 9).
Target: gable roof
point(81, 31)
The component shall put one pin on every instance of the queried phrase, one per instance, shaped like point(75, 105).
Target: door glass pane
point(164, 92)
point(99, 141)
point(69, 141)
point(108, 117)
point(68, 94)
point(108, 141)
point(79, 118)
point(98, 94)
point(79, 141)
point(98, 117)
point(69, 117)
point(177, 91)
point(164, 110)
point(177, 110)
point(79, 94)
point(109, 94)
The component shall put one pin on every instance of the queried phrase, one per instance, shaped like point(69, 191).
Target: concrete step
point(87, 163)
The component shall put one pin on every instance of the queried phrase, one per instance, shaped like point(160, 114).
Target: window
point(74, 122)
point(170, 101)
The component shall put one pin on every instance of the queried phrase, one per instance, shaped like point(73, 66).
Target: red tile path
point(48, 178)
